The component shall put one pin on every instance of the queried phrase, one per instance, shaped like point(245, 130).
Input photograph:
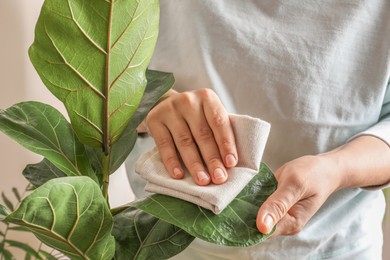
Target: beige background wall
point(19, 82)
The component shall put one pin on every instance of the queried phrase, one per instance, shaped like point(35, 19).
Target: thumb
point(275, 208)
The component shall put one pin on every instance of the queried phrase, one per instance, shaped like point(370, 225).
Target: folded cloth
point(251, 135)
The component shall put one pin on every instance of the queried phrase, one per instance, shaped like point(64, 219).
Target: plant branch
point(106, 175)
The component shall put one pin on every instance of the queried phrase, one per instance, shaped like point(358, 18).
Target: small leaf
point(39, 173)
point(19, 228)
point(25, 247)
point(16, 193)
point(7, 202)
point(3, 212)
point(235, 226)
point(44, 130)
point(139, 235)
point(71, 215)
point(6, 253)
point(47, 256)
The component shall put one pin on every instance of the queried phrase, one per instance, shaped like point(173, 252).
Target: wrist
point(338, 167)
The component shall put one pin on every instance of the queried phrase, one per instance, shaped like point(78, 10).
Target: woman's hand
point(305, 183)
point(196, 125)
point(303, 186)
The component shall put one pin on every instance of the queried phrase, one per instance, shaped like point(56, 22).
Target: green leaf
point(7, 202)
point(39, 173)
point(96, 51)
point(158, 84)
point(139, 235)
point(25, 247)
point(6, 253)
point(3, 212)
point(16, 193)
point(234, 226)
point(19, 228)
point(44, 130)
point(71, 215)
point(119, 152)
point(47, 256)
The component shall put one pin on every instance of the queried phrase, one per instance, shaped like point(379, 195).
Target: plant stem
point(106, 113)
point(3, 242)
point(106, 175)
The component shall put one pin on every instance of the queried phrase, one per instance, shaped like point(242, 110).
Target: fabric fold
point(251, 135)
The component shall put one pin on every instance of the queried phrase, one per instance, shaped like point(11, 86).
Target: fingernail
point(268, 222)
point(177, 173)
point(219, 174)
point(202, 176)
point(230, 160)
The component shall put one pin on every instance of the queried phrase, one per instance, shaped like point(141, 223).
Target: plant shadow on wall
point(93, 56)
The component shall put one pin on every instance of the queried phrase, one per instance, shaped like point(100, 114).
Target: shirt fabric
point(318, 71)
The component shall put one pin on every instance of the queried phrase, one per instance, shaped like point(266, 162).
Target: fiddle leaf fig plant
point(94, 56)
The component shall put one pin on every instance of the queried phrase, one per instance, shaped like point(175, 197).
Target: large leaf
point(235, 226)
point(158, 84)
point(92, 55)
point(139, 235)
point(71, 215)
point(44, 130)
point(39, 173)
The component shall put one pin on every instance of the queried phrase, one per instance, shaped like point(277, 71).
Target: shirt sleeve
point(380, 130)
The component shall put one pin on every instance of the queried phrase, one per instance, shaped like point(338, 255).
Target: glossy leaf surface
point(44, 130)
point(139, 235)
point(234, 226)
point(39, 173)
point(71, 215)
point(98, 69)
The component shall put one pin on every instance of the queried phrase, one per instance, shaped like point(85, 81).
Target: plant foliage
point(93, 56)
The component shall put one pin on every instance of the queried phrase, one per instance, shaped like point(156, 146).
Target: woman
point(318, 71)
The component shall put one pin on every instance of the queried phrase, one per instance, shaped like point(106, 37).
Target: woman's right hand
point(195, 125)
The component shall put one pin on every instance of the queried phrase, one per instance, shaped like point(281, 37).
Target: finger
point(276, 207)
point(296, 218)
point(218, 120)
point(188, 150)
point(207, 145)
point(167, 149)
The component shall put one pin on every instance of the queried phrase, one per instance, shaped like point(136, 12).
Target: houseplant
point(93, 56)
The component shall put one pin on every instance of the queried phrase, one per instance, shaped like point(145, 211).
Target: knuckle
point(185, 140)
point(170, 159)
point(214, 160)
point(163, 142)
point(206, 93)
point(280, 208)
point(217, 119)
point(205, 133)
point(186, 99)
point(227, 142)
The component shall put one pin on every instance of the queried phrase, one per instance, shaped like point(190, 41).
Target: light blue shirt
point(318, 71)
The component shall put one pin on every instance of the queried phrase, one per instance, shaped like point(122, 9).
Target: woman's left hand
point(303, 186)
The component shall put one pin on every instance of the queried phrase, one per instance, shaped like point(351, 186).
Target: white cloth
point(251, 136)
point(317, 71)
